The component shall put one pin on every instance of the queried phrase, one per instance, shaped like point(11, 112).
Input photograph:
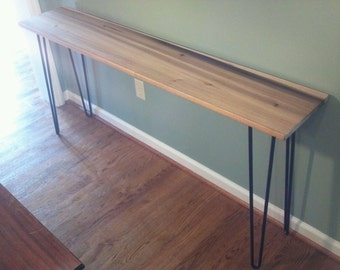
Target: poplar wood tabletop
point(26, 244)
point(267, 103)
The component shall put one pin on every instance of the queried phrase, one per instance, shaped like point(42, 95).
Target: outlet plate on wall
point(140, 91)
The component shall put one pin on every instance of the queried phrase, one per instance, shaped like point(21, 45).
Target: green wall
point(295, 40)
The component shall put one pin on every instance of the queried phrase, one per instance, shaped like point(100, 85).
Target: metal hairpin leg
point(48, 80)
point(251, 200)
point(290, 151)
point(88, 109)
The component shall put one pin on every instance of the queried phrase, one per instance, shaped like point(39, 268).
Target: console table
point(269, 104)
point(26, 244)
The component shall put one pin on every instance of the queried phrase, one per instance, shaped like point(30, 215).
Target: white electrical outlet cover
point(140, 91)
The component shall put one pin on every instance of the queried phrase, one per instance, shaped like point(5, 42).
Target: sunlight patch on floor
point(13, 43)
point(12, 48)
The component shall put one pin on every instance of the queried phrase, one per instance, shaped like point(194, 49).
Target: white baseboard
point(275, 212)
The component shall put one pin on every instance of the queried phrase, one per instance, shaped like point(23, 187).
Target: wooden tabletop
point(26, 244)
point(269, 104)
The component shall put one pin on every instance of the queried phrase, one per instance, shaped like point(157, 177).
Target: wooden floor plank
point(117, 205)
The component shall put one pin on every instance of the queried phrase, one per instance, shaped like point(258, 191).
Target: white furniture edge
point(33, 9)
point(222, 182)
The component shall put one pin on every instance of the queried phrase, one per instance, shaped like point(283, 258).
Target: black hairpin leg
point(290, 150)
point(80, 267)
point(48, 80)
point(88, 109)
point(251, 199)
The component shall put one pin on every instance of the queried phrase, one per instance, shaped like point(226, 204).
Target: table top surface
point(26, 244)
point(267, 103)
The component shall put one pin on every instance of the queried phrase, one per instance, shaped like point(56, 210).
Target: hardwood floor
point(118, 205)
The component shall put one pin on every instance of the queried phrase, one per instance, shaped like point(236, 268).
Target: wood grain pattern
point(26, 244)
point(269, 104)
